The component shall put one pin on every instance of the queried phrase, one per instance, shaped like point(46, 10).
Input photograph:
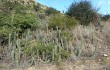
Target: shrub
point(105, 17)
point(13, 20)
point(26, 21)
point(5, 24)
point(37, 7)
point(4, 31)
point(66, 34)
point(51, 10)
point(47, 52)
point(19, 23)
point(62, 21)
point(82, 11)
point(5, 20)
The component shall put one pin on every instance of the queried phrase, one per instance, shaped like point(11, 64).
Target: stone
point(105, 55)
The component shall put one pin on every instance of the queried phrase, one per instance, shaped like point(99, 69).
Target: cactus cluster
point(39, 46)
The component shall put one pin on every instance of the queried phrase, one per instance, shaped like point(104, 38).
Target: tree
point(83, 11)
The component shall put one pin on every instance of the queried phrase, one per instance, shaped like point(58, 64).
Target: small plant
point(66, 34)
point(5, 30)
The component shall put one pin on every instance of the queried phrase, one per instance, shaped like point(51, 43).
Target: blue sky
point(62, 5)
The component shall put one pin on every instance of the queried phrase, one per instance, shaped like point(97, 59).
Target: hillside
point(28, 4)
point(20, 1)
point(37, 37)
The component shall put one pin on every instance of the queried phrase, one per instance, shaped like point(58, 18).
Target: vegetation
point(31, 35)
point(62, 21)
point(18, 22)
point(15, 17)
point(48, 52)
point(41, 49)
point(51, 10)
point(105, 17)
point(82, 11)
point(26, 21)
point(37, 7)
point(8, 7)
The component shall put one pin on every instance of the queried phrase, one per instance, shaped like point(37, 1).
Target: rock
point(105, 55)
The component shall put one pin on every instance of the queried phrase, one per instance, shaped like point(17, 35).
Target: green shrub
point(105, 17)
point(66, 34)
point(26, 21)
point(51, 10)
point(82, 11)
point(5, 25)
point(17, 23)
point(46, 51)
point(5, 20)
point(5, 31)
point(14, 18)
point(37, 7)
point(62, 21)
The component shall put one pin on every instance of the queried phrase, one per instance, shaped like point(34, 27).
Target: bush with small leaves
point(62, 21)
point(26, 21)
point(37, 7)
point(47, 52)
point(51, 10)
point(17, 23)
point(105, 17)
point(82, 11)
point(4, 31)
point(66, 34)
point(5, 20)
